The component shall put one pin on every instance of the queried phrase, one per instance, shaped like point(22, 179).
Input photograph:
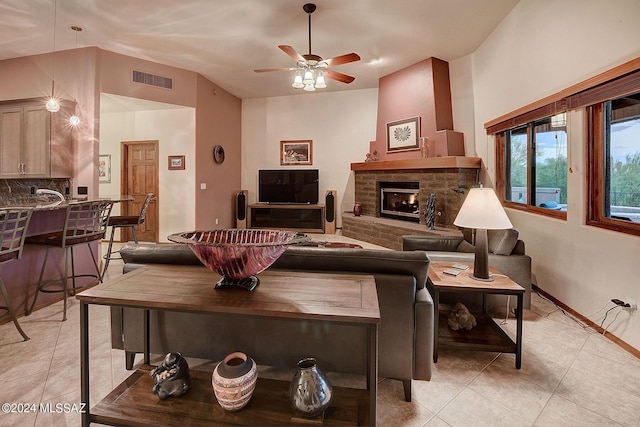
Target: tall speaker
point(330, 201)
point(241, 209)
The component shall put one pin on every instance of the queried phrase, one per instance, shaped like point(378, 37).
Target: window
point(614, 160)
point(534, 156)
point(531, 150)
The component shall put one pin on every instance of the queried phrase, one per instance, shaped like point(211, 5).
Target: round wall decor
point(218, 154)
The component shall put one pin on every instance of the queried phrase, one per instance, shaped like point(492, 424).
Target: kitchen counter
point(45, 202)
point(21, 276)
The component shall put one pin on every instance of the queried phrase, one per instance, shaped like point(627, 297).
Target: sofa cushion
point(172, 253)
point(502, 242)
point(372, 261)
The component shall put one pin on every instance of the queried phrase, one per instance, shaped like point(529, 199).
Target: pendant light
point(74, 120)
point(52, 104)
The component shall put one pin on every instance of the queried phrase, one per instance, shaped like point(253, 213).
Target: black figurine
point(172, 377)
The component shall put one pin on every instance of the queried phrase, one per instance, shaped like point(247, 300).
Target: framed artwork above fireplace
point(403, 135)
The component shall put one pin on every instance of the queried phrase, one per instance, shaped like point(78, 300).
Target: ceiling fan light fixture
point(308, 77)
point(297, 80)
point(310, 70)
point(320, 81)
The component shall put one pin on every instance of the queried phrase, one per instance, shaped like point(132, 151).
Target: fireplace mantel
point(458, 162)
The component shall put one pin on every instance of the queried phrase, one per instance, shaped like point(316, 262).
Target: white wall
point(341, 125)
point(175, 132)
point(541, 47)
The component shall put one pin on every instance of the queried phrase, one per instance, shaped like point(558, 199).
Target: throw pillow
point(465, 246)
point(502, 242)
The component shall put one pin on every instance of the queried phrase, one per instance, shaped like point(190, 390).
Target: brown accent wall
point(422, 90)
point(114, 77)
point(218, 122)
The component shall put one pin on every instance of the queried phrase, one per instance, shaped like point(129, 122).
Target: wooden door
point(139, 177)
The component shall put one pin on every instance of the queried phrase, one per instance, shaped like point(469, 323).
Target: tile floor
point(570, 376)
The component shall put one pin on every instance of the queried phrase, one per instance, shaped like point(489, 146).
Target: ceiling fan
point(311, 69)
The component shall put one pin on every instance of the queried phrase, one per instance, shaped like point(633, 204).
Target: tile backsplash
point(16, 192)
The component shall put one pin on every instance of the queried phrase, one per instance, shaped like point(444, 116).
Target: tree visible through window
point(536, 163)
point(622, 139)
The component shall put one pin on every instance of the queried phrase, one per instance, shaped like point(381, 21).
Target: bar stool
point(85, 222)
point(122, 221)
point(13, 229)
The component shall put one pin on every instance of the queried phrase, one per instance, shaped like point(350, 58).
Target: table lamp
point(482, 210)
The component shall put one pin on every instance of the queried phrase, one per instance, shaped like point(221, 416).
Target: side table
point(487, 335)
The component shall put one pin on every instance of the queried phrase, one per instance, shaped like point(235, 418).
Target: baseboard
point(634, 351)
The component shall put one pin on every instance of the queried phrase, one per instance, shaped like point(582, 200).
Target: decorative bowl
point(238, 255)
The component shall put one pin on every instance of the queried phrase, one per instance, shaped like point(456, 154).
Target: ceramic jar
point(357, 209)
point(234, 380)
point(310, 391)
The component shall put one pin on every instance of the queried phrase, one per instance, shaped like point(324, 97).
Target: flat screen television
point(288, 186)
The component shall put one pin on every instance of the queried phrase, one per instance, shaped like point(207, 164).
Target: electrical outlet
point(633, 305)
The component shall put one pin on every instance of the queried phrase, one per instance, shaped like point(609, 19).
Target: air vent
point(152, 80)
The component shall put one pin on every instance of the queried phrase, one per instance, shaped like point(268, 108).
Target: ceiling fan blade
point(342, 59)
point(291, 52)
point(339, 76)
point(268, 70)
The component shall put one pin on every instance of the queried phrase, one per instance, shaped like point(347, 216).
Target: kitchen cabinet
point(35, 143)
point(25, 131)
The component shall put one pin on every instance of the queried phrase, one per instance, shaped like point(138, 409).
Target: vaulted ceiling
point(225, 40)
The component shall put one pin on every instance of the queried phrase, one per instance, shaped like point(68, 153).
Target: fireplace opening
point(400, 200)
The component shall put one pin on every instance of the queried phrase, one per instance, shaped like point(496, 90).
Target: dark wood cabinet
point(304, 218)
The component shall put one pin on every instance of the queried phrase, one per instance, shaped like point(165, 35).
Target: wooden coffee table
point(487, 335)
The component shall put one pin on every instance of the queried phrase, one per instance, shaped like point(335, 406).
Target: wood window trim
point(546, 110)
point(596, 176)
point(600, 79)
point(501, 185)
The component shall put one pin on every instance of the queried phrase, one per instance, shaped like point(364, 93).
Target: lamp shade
point(482, 209)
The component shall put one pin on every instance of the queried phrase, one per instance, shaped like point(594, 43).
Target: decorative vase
point(234, 380)
point(310, 391)
point(357, 209)
point(424, 147)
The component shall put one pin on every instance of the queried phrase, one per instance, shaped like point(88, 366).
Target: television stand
point(306, 218)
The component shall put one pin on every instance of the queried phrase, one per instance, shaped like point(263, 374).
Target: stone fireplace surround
point(443, 176)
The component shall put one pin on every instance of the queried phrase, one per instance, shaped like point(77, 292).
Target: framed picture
point(176, 162)
point(403, 135)
point(299, 152)
point(104, 168)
